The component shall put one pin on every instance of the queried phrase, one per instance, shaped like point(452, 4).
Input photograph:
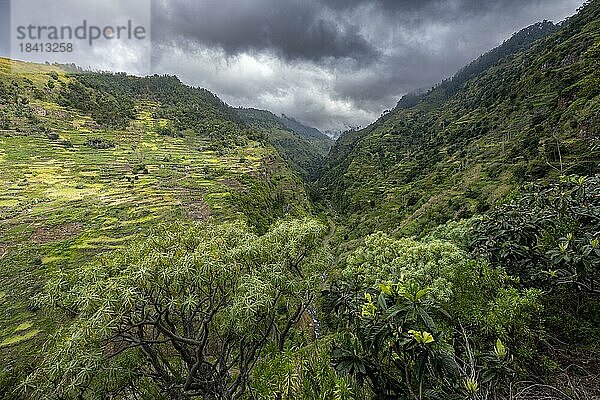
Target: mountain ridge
point(305, 148)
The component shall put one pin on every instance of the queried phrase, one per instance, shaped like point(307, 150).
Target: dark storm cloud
point(429, 40)
point(420, 11)
point(293, 29)
point(416, 6)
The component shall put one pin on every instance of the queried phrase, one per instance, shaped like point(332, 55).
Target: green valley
point(158, 243)
point(510, 117)
point(302, 147)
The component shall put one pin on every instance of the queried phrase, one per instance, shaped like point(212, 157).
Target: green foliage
point(178, 313)
point(492, 304)
point(107, 108)
point(304, 373)
point(429, 264)
point(395, 344)
point(99, 143)
point(548, 236)
point(271, 196)
point(548, 232)
point(422, 320)
point(193, 109)
point(168, 130)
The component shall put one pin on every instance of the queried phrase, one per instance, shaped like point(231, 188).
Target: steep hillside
point(457, 149)
point(89, 162)
point(320, 139)
point(304, 148)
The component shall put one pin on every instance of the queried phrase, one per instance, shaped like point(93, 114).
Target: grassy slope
point(455, 153)
point(62, 201)
point(302, 147)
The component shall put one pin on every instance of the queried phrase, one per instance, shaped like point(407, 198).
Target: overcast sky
point(329, 63)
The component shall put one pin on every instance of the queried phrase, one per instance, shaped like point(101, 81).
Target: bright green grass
point(19, 338)
point(23, 326)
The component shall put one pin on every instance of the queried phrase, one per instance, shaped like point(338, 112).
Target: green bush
point(420, 318)
point(184, 313)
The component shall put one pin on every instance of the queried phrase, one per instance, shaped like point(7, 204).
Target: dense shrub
point(423, 320)
point(548, 237)
point(185, 313)
point(99, 143)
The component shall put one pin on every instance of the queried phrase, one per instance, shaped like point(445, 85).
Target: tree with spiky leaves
point(185, 313)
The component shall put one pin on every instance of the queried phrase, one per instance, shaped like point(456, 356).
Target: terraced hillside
point(523, 111)
point(89, 162)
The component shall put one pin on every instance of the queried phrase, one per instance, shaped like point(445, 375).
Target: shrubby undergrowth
point(216, 311)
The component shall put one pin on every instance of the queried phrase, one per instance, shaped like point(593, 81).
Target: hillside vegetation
point(90, 162)
point(304, 148)
point(158, 244)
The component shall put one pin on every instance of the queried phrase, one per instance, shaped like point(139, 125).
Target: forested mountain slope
point(89, 162)
point(304, 148)
point(322, 140)
point(457, 149)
